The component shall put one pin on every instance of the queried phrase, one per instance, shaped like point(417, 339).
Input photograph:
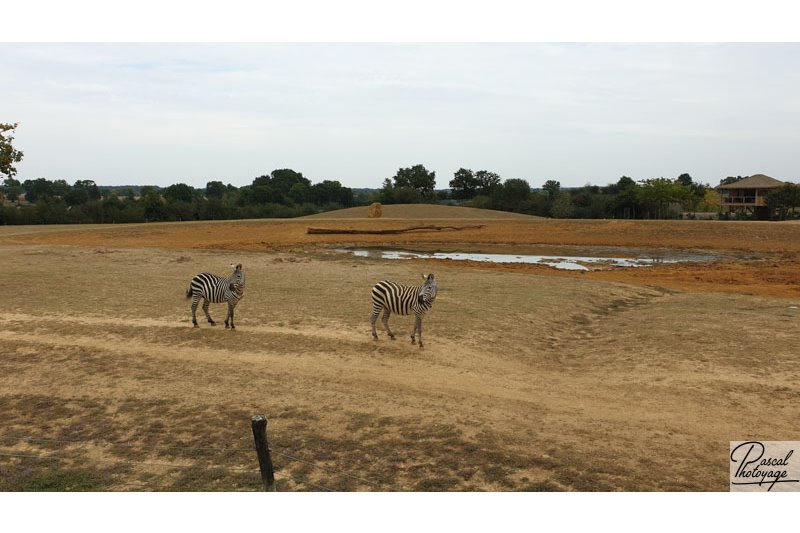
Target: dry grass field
point(531, 379)
point(421, 211)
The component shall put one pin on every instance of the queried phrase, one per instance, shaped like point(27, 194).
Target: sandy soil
point(531, 379)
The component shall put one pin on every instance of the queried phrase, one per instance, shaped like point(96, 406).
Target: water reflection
point(564, 262)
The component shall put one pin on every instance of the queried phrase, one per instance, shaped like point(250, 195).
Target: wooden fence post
point(262, 450)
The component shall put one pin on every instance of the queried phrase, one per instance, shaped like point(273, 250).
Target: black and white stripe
point(216, 289)
point(391, 297)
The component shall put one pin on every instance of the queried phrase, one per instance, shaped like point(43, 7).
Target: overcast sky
point(577, 113)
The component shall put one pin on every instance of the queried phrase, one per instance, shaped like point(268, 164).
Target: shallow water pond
point(619, 258)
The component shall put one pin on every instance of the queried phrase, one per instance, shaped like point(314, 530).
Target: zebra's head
point(427, 292)
point(237, 279)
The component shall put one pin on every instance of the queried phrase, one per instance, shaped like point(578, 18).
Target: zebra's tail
point(189, 292)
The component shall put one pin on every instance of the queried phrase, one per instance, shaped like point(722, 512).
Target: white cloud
point(160, 113)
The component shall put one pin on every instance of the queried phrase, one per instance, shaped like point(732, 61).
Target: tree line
point(281, 193)
point(287, 193)
point(627, 198)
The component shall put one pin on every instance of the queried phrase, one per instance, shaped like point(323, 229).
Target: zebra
point(402, 299)
point(216, 289)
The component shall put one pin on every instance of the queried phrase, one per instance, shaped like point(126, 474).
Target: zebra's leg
point(419, 328)
point(230, 316)
point(195, 301)
point(206, 303)
point(386, 314)
point(373, 319)
point(417, 324)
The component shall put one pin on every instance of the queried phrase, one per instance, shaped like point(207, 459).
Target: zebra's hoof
point(195, 326)
point(392, 337)
point(413, 340)
point(374, 337)
point(212, 323)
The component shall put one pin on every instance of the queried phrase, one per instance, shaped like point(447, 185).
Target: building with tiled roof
point(748, 195)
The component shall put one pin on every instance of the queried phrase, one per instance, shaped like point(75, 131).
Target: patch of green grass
point(59, 481)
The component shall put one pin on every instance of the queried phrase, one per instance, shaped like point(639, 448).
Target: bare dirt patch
point(763, 258)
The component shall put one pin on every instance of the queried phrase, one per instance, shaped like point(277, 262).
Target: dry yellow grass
point(421, 211)
point(375, 210)
point(528, 381)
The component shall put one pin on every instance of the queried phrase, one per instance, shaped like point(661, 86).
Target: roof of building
point(757, 181)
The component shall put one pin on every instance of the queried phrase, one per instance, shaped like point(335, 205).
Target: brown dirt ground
point(760, 258)
point(531, 378)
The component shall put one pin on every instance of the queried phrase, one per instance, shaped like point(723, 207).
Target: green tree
point(91, 188)
point(60, 188)
point(275, 187)
point(179, 192)
point(464, 184)
point(695, 192)
point(710, 202)
point(282, 180)
point(562, 206)
point(514, 195)
point(8, 154)
point(38, 189)
point(553, 188)
point(685, 180)
point(83, 191)
point(215, 189)
point(12, 188)
point(416, 177)
point(657, 194)
point(781, 200)
point(488, 182)
point(260, 191)
point(625, 183)
point(582, 198)
point(407, 195)
point(76, 196)
point(152, 203)
point(300, 193)
point(331, 192)
point(386, 194)
point(624, 201)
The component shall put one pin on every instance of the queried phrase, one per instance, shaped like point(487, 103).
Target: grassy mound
point(421, 211)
